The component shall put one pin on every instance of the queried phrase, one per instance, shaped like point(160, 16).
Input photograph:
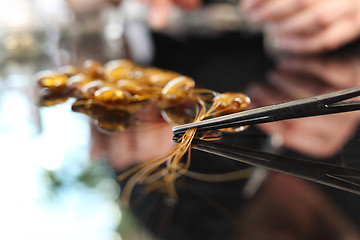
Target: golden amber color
point(93, 69)
point(173, 91)
point(132, 86)
point(112, 96)
point(178, 115)
point(119, 69)
point(69, 70)
point(76, 82)
point(124, 86)
point(232, 102)
point(160, 79)
point(105, 119)
point(147, 72)
point(88, 89)
point(111, 121)
point(52, 80)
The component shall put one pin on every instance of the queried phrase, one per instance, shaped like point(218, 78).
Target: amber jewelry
point(111, 93)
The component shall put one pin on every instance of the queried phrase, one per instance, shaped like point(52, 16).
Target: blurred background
point(50, 186)
point(55, 184)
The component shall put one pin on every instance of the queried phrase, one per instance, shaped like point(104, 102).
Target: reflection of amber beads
point(113, 121)
point(55, 100)
point(178, 115)
point(108, 120)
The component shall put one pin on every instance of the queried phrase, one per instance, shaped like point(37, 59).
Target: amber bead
point(69, 70)
point(52, 80)
point(88, 90)
point(94, 69)
point(231, 102)
point(150, 71)
point(161, 79)
point(132, 86)
point(76, 82)
point(175, 91)
point(112, 96)
point(118, 69)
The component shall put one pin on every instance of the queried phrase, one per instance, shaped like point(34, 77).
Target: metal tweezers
point(338, 176)
point(312, 106)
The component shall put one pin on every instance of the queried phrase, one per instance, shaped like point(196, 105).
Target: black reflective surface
point(66, 166)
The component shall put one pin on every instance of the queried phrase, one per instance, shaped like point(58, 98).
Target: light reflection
point(76, 211)
point(50, 189)
point(51, 163)
point(15, 116)
point(16, 15)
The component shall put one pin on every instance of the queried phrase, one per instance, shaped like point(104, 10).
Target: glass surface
point(59, 168)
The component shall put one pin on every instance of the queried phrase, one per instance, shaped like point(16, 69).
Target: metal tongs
point(338, 176)
point(312, 106)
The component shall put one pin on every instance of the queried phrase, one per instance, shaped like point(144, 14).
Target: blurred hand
point(320, 136)
point(307, 26)
point(159, 10)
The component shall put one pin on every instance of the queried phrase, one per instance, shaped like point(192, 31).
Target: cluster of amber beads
point(117, 83)
point(122, 85)
point(112, 93)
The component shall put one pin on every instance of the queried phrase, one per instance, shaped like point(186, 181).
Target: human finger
point(159, 13)
point(188, 4)
point(318, 16)
point(250, 4)
point(330, 38)
point(277, 9)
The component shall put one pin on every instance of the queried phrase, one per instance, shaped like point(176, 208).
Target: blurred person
point(299, 26)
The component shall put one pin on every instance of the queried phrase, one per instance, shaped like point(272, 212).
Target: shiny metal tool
point(312, 106)
point(334, 175)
